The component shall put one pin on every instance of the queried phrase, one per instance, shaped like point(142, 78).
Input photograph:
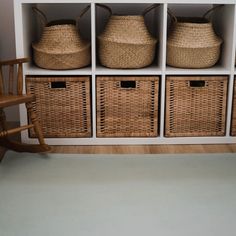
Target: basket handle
point(58, 85)
point(81, 15)
point(105, 7)
point(197, 83)
point(211, 10)
point(42, 17)
point(172, 16)
point(150, 8)
point(128, 84)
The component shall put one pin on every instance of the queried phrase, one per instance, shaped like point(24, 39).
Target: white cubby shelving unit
point(27, 30)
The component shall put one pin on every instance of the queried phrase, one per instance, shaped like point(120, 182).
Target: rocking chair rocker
point(8, 99)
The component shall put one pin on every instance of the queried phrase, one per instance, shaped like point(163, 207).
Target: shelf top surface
point(130, 1)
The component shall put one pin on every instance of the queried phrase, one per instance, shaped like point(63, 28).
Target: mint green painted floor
point(118, 195)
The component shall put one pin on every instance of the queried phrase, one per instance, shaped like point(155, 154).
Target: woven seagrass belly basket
point(126, 41)
point(192, 42)
point(61, 46)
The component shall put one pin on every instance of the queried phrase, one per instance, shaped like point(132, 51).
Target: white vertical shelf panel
point(93, 46)
point(93, 37)
point(163, 77)
point(159, 17)
point(231, 79)
point(224, 23)
point(162, 105)
point(164, 36)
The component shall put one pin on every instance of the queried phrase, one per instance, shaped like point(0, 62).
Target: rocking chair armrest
point(14, 61)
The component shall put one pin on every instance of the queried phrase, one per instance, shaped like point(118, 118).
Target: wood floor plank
point(142, 149)
point(147, 149)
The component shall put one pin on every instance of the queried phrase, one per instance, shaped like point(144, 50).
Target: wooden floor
point(146, 149)
point(142, 149)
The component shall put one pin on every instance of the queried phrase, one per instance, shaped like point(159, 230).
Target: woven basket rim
point(40, 79)
point(59, 53)
point(152, 41)
point(197, 19)
point(126, 17)
point(63, 26)
point(62, 22)
point(191, 25)
point(217, 44)
point(189, 22)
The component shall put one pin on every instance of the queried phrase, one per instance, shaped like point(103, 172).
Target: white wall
point(7, 42)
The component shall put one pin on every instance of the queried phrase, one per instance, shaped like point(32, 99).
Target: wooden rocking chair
point(9, 99)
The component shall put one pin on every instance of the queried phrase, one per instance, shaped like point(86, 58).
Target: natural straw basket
point(126, 41)
point(61, 46)
point(127, 106)
point(192, 42)
point(195, 106)
point(62, 104)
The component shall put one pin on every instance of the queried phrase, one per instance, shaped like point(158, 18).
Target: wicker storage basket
point(192, 43)
point(126, 42)
point(195, 106)
point(233, 120)
point(62, 105)
point(61, 46)
point(127, 106)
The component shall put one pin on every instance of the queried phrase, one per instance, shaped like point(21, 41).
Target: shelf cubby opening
point(222, 19)
point(153, 22)
point(32, 28)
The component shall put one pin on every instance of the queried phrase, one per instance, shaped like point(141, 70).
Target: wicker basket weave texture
point(193, 45)
point(63, 111)
point(60, 45)
point(127, 29)
point(54, 40)
point(127, 112)
point(126, 43)
point(193, 110)
point(233, 121)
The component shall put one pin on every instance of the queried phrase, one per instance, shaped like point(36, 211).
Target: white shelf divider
point(231, 79)
point(150, 70)
point(163, 77)
point(216, 70)
point(93, 79)
point(34, 70)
